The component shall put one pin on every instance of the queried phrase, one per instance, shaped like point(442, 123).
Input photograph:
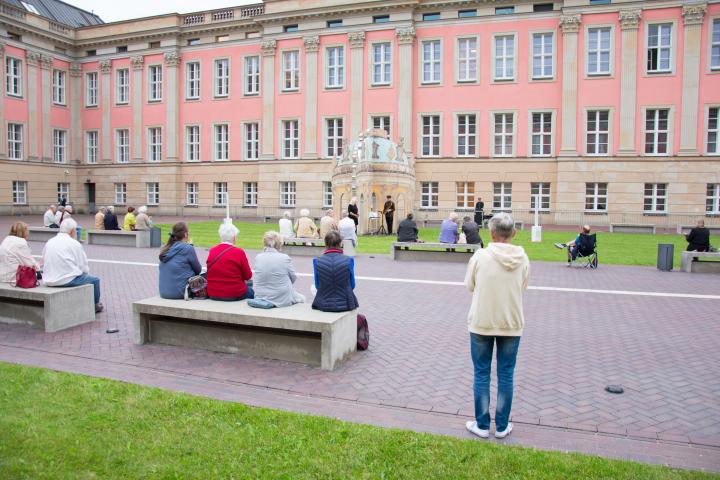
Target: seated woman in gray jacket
point(274, 274)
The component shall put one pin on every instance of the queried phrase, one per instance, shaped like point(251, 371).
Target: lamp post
point(536, 231)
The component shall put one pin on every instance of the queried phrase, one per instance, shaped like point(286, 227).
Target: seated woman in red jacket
point(228, 269)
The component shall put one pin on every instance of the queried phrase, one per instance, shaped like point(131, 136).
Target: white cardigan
point(14, 251)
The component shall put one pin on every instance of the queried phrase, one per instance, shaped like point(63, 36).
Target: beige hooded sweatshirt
point(497, 277)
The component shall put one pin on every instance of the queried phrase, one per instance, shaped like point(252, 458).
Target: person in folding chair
point(582, 249)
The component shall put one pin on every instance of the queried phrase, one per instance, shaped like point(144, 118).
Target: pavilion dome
point(374, 146)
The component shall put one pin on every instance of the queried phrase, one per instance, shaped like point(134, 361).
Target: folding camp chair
point(585, 254)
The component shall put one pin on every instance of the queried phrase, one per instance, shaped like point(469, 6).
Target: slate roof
point(60, 12)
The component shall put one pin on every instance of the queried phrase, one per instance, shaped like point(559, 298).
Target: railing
point(253, 11)
point(60, 28)
point(194, 19)
point(12, 11)
point(223, 15)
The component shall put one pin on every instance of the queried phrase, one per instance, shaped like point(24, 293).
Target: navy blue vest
point(334, 293)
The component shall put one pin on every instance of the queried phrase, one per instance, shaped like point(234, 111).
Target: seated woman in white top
point(274, 274)
point(286, 226)
point(15, 251)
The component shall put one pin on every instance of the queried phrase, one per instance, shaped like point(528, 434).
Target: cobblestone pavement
point(662, 348)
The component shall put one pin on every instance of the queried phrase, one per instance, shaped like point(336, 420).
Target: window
point(252, 75)
point(598, 56)
point(191, 194)
point(154, 142)
point(91, 146)
point(153, 193)
point(122, 146)
point(327, 195)
point(59, 146)
point(14, 36)
point(381, 123)
point(120, 193)
point(431, 16)
point(15, 141)
point(335, 77)
point(154, 44)
point(655, 198)
point(63, 192)
point(504, 57)
point(13, 76)
point(381, 63)
point(222, 77)
point(712, 200)
point(156, 83)
point(287, 194)
point(598, 132)
point(334, 23)
point(542, 65)
point(543, 190)
point(466, 135)
point(221, 194)
point(192, 77)
point(715, 45)
point(659, 47)
point(600, 2)
point(19, 193)
point(222, 38)
point(596, 197)
point(430, 135)
point(122, 49)
point(30, 8)
point(251, 194)
point(58, 87)
point(122, 86)
point(192, 143)
point(90, 53)
point(381, 18)
point(290, 139)
point(431, 61)
point(543, 7)
point(656, 131)
point(252, 141)
point(541, 134)
point(222, 142)
point(429, 195)
point(502, 196)
point(290, 28)
point(713, 130)
point(504, 10)
point(291, 70)
point(503, 136)
point(467, 60)
point(334, 137)
point(465, 194)
point(91, 89)
point(193, 41)
point(467, 13)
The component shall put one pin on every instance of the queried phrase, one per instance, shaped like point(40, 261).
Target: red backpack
point(363, 333)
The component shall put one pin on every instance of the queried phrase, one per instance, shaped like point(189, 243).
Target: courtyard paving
point(656, 333)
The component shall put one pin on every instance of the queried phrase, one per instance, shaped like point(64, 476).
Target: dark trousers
point(389, 221)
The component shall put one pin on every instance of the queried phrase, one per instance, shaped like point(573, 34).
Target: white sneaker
point(473, 428)
point(505, 432)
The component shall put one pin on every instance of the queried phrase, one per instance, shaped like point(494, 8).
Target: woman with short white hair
point(274, 275)
point(449, 229)
point(142, 221)
point(305, 226)
point(286, 226)
point(228, 269)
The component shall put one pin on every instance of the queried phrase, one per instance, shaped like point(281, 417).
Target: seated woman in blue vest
point(334, 278)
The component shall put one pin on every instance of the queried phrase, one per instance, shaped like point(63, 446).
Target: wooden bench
point(296, 333)
point(687, 264)
point(119, 238)
point(631, 228)
point(435, 252)
point(685, 229)
point(41, 234)
point(303, 246)
point(47, 308)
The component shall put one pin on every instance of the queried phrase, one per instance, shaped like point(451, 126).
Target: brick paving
point(417, 373)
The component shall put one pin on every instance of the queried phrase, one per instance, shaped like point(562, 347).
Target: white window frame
point(599, 51)
point(463, 63)
point(122, 89)
point(294, 146)
point(464, 198)
point(13, 76)
point(712, 199)
point(120, 193)
point(655, 197)
point(532, 134)
point(669, 132)
point(429, 199)
point(220, 194)
point(596, 196)
point(542, 57)
point(288, 194)
point(193, 83)
point(384, 66)
point(154, 142)
point(250, 194)
point(334, 67)
point(193, 143)
point(122, 150)
point(251, 140)
point(328, 196)
point(673, 45)
point(714, 22)
point(373, 116)
point(291, 68)
point(221, 78)
point(434, 139)
point(251, 79)
point(544, 195)
point(468, 137)
point(221, 142)
point(59, 148)
point(152, 191)
point(19, 192)
point(504, 195)
point(155, 83)
point(504, 133)
point(92, 148)
point(59, 84)
point(16, 144)
point(513, 62)
point(436, 64)
point(91, 89)
point(334, 136)
point(709, 131)
point(63, 191)
point(597, 132)
point(192, 190)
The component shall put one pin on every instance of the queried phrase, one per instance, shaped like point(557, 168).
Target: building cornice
point(312, 44)
point(629, 19)
point(351, 8)
point(172, 58)
point(694, 14)
point(268, 48)
point(356, 39)
point(570, 23)
point(137, 62)
point(405, 35)
point(106, 66)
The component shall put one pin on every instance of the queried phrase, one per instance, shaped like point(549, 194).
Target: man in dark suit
point(479, 207)
point(110, 221)
point(389, 211)
point(699, 238)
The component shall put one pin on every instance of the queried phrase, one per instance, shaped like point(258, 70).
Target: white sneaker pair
point(472, 427)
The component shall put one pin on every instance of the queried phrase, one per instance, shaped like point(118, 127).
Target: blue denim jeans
point(85, 279)
point(481, 350)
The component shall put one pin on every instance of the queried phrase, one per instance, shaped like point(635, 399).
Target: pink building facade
point(606, 110)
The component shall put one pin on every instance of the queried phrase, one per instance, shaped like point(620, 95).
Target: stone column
point(105, 96)
point(137, 63)
point(406, 39)
point(357, 60)
point(172, 63)
point(629, 24)
point(570, 26)
point(33, 60)
point(312, 45)
point(46, 79)
point(76, 101)
point(693, 18)
point(268, 94)
point(3, 141)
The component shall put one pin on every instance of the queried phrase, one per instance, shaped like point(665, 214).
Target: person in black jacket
point(110, 221)
point(471, 231)
point(353, 211)
point(699, 238)
point(407, 230)
point(479, 214)
point(334, 278)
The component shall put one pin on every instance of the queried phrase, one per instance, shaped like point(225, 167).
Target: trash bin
point(666, 251)
point(155, 237)
point(78, 230)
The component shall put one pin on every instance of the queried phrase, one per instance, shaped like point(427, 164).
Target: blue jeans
point(250, 293)
point(481, 350)
point(85, 279)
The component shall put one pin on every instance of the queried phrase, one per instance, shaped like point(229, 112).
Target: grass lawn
point(59, 425)
point(613, 248)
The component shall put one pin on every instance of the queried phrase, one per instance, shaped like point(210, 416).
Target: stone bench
point(685, 229)
point(119, 238)
point(687, 264)
point(303, 246)
point(47, 308)
point(41, 234)
point(295, 334)
point(631, 228)
point(442, 252)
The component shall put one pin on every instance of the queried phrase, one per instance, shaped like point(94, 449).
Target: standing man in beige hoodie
point(497, 277)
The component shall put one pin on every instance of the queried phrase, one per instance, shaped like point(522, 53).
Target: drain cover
point(614, 389)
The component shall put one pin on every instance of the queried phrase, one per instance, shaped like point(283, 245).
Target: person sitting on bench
point(407, 230)
point(274, 275)
point(305, 226)
point(334, 275)
point(573, 246)
point(49, 217)
point(449, 229)
point(228, 269)
point(178, 263)
point(472, 232)
point(699, 238)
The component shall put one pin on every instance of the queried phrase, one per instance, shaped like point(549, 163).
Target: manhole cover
point(614, 389)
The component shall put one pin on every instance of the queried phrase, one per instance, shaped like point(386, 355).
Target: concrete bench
point(41, 234)
point(685, 229)
point(631, 228)
point(295, 334)
point(687, 264)
point(440, 252)
point(47, 308)
point(119, 238)
point(303, 246)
